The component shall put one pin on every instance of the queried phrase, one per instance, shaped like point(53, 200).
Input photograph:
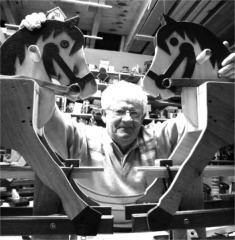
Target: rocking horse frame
point(216, 98)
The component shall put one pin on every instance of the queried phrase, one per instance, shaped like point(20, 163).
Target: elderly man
point(119, 147)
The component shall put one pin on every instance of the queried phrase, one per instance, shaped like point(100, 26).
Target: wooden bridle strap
point(51, 51)
point(186, 51)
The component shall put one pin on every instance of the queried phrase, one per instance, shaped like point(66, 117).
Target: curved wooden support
point(215, 129)
point(19, 103)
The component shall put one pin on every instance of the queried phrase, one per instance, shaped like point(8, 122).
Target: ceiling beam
point(205, 11)
point(7, 11)
point(96, 23)
point(143, 14)
point(154, 21)
point(182, 8)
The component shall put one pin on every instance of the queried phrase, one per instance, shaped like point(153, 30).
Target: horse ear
point(34, 53)
point(168, 20)
point(73, 21)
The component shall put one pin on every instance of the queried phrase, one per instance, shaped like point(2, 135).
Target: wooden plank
point(144, 208)
point(176, 10)
point(216, 101)
point(137, 209)
point(209, 171)
point(198, 10)
point(28, 173)
point(152, 23)
point(214, 12)
point(28, 211)
point(192, 199)
point(221, 20)
point(82, 172)
point(188, 220)
point(182, 8)
point(19, 133)
point(28, 225)
point(145, 10)
point(96, 23)
point(8, 12)
point(206, 10)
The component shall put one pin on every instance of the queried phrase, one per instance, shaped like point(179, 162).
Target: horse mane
point(14, 46)
point(195, 32)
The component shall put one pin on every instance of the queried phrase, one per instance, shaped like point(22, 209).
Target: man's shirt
point(120, 183)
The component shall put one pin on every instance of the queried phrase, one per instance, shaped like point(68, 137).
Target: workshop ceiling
point(127, 19)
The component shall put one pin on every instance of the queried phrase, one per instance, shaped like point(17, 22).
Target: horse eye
point(174, 41)
point(64, 43)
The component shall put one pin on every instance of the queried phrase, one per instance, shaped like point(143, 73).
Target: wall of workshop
point(116, 59)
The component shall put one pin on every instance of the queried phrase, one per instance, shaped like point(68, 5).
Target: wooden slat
point(216, 101)
point(138, 24)
point(8, 12)
point(27, 172)
point(176, 10)
point(221, 20)
point(83, 172)
point(152, 23)
point(18, 226)
point(214, 11)
point(28, 211)
point(197, 10)
point(144, 208)
point(96, 24)
point(182, 9)
point(205, 11)
point(209, 171)
point(187, 220)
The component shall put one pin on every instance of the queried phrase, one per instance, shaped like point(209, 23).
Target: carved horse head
point(177, 46)
point(55, 51)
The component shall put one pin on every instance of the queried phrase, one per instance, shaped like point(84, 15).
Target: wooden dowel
point(188, 82)
point(144, 38)
point(27, 172)
point(209, 171)
point(203, 56)
point(82, 172)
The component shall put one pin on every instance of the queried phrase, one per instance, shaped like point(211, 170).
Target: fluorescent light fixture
point(92, 4)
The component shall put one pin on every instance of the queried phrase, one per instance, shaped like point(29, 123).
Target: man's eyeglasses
point(121, 113)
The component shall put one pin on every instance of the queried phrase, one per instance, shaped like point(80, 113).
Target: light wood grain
point(215, 100)
point(18, 131)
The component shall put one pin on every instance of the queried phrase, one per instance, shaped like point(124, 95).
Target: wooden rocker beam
point(33, 225)
point(187, 220)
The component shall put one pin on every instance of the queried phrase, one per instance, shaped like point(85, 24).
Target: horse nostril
point(75, 70)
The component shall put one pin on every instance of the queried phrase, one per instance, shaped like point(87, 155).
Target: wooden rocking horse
point(53, 51)
point(187, 58)
point(210, 127)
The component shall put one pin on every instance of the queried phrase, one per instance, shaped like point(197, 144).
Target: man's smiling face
point(123, 122)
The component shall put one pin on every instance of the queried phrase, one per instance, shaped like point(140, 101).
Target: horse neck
point(33, 70)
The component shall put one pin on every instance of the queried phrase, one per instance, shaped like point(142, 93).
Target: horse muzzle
point(79, 84)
